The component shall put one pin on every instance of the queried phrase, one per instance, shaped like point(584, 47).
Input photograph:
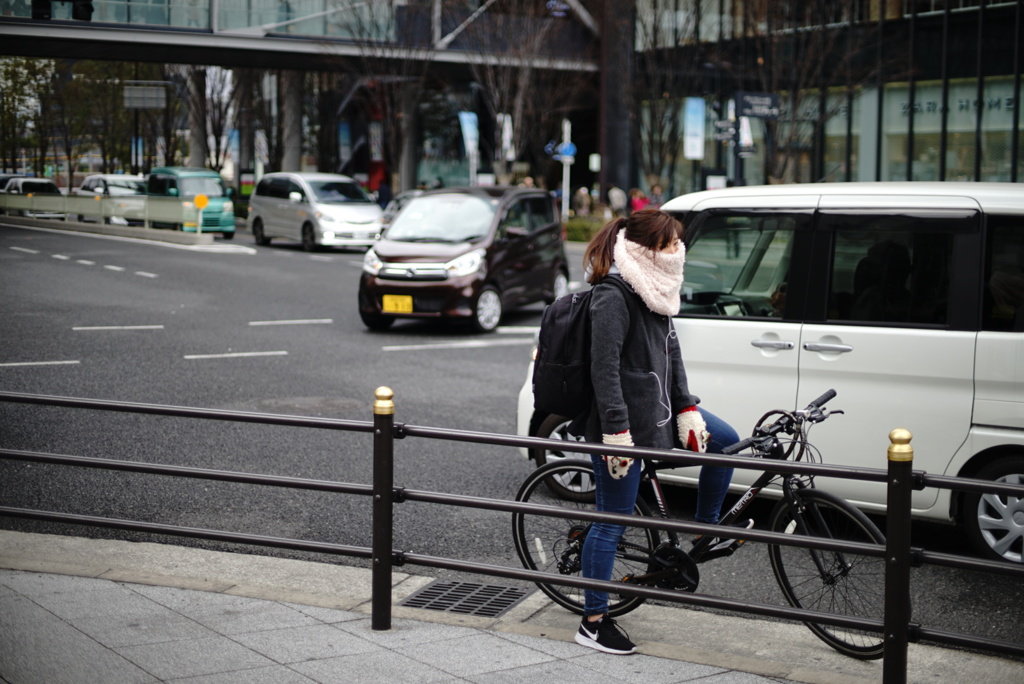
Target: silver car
point(319, 209)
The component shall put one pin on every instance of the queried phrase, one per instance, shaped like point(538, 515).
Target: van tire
point(228, 235)
point(257, 232)
point(1001, 536)
point(308, 239)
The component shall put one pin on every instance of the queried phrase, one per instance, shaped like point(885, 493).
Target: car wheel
point(995, 522)
point(308, 239)
point(257, 232)
point(229, 235)
point(487, 312)
point(560, 286)
point(553, 427)
point(376, 321)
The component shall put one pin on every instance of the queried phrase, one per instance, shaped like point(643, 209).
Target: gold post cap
point(899, 445)
point(384, 404)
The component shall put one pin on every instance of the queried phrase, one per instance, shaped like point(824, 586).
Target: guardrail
point(896, 624)
point(141, 210)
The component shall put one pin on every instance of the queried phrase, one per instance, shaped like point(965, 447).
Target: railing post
point(383, 499)
point(897, 557)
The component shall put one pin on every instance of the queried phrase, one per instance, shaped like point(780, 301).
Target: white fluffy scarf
point(655, 276)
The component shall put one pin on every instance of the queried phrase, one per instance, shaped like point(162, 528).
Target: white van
point(907, 298)
point(320, 209)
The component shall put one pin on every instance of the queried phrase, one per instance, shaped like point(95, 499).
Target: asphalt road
point(275, 329)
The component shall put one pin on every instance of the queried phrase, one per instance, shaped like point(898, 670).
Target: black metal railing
point(896, 624)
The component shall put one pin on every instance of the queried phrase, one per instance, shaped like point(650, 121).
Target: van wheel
point(487, 311)
point(308, 240)
point(553, 427)
point(257, 232)
point(995, 522)
point(228, 236)
point(375, 321)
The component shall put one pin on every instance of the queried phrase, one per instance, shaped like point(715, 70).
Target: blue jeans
point(619, 496)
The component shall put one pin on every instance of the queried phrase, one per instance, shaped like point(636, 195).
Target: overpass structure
point(332, 36)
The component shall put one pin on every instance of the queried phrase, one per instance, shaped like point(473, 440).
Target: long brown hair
point(651, 228)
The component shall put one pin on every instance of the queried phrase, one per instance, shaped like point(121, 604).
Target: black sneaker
point(604, 635)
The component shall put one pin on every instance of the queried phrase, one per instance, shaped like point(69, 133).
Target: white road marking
point(517, 329)
point(321, 258)
point(471, 344)
point(217, 247)
point(86, 262)
point(304, 321)
point(62, 257)
point(145, 274)
point(118, 327)
point(25, 250)
point(40, 363)
point(234, 355)
point(114, 268)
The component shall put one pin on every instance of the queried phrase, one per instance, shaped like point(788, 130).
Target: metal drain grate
point(466, 598)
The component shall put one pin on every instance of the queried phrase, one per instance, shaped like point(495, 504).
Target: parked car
point(188, 183)
point(130, 191)
point(4, 177)
point(907, 298)
point(320, 209)
point(465, 254)
point(33, 187)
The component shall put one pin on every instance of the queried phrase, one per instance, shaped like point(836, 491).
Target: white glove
point(618, 466)
point(693, 431)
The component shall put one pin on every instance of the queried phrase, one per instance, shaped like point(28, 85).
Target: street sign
point(724, 124)
point(757, 105)
point(725, 135)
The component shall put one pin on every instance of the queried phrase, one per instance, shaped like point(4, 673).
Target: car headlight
point(371, 263)
point(326, 218)
point(229, 208)
point(465, 264)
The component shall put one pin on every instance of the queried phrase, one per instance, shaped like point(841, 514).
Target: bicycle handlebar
point(767, 434)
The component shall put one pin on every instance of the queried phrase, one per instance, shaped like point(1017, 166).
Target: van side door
point(739, 324)
point(892, 328)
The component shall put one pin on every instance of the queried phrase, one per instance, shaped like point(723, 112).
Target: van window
point(737, 264)
point(1004, 275)
point(203, 185)
point(160, 185)
point(516, 216)
point(339, 192)
point(891, 269)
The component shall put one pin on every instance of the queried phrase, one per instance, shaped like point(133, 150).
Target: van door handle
point(772, 344)
point(826, 347)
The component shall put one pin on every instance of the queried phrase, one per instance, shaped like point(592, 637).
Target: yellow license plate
point(398, 304)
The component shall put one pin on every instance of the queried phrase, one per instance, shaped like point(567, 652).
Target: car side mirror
point(295, 196)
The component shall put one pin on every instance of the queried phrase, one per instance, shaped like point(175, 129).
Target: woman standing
point(640, 388)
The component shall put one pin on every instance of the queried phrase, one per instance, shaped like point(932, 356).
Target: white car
point(907, 298)
point(121, 198)
point(320, 209)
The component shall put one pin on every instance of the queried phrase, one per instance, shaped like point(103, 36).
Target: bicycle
point(846, 583)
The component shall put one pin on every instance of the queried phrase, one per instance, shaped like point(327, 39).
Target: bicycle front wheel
point(844, 583)
point(555, 544)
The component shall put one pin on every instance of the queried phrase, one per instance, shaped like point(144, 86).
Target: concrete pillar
point(410, 141)
point(618, 165)
point(291, 120)
point(197, 150)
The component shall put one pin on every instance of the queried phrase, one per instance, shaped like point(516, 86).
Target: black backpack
point(561, 370)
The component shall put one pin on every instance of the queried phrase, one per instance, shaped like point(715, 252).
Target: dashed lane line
point(39, 363)
point(471, 344)
point(234, 355)
point(114, 268)
point(118, 327)
point(25, 250)
point(302, 321)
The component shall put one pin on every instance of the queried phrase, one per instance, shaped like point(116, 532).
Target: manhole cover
point(466, 598)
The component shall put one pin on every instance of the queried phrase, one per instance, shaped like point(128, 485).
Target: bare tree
point(211, 100)
point(517, 42)
point(663, 71)
point(393, 38)
point(24, 87)
point(802, 51)
point(109, 126)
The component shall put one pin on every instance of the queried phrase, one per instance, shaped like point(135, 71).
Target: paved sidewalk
point(75, 610)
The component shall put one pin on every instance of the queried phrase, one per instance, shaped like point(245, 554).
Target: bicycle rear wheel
point(554, 544)
point(852, 584)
